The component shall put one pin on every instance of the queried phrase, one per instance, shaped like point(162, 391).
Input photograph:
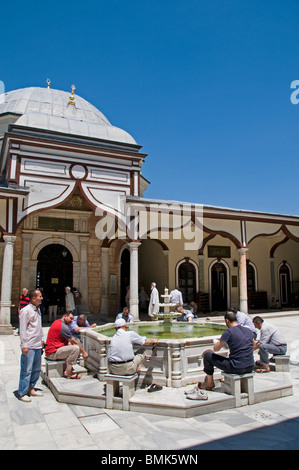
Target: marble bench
point(112, 388)
point(235, 385)
point(282, 363)
point(54, 368)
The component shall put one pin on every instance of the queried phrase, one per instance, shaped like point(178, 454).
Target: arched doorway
point(285, 284)
point(219, 290)
point(186, 280)
point(54, 270)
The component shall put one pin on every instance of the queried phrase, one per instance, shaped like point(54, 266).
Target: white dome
point(46, 108)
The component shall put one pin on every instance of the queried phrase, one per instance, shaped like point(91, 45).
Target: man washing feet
point(240, 361)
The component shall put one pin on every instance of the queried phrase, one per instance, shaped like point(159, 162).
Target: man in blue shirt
point(79, 323)
point(240, 361)
point(126, 315)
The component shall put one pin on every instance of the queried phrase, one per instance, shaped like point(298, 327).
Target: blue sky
point(203, 86)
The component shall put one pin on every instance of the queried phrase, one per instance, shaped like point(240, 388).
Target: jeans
point(30, 370)
point(212, 360)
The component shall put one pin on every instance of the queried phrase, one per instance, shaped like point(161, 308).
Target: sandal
point(154, 388)
point(203, 386)
point(74, 376)
point(262, 371)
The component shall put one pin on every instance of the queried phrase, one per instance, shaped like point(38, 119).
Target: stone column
point(83, 288)
point(272, 277)
point(26, 257)
point(104, 282)
point(243, 304)
point(7, 268)
point(201, 273)
point(166, 268)
point(134, 299)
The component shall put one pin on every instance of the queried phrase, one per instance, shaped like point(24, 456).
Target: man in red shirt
point(23, 302)
point(61, 345)
point(24, 299)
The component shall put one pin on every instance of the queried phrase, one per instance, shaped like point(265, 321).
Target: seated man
point(125, 315)
point(187, 315)
point(271, 341)
point(61, 345)
point(192, 306)
point(244, 320)
point(240, 361)
point(78, 324)
point(122, 360)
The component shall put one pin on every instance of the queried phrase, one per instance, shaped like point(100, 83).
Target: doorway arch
point(54, 270)
point(219, 285)
point(187, 278)
point(284, 279)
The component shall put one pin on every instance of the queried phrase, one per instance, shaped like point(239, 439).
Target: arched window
point(251, 277)
point(187, 280)
point(284, 273)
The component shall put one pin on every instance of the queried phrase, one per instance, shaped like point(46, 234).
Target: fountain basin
point(174, 362)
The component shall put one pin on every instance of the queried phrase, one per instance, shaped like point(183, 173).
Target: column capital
point(242, 251)
point(134, 245)
point(9, 238)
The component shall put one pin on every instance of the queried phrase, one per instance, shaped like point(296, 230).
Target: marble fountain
point(175, 361)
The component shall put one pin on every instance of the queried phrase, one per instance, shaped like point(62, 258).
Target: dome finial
point(48, 82)
point(72, 97)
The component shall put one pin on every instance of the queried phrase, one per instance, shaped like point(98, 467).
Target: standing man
point(176, 296)
point(154, 301)
point(31, 336)
point(24, 300)
point(69, 300)
point(78, 300)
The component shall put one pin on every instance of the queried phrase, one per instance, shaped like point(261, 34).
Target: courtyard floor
point(47, 424)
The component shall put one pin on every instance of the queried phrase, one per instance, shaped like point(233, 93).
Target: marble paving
point(46, 423)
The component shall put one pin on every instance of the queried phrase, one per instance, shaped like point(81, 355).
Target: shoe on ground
point(197, 395)
point(25, 398)
point(191, 391)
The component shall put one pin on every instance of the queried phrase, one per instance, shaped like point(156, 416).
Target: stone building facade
point(73, 212)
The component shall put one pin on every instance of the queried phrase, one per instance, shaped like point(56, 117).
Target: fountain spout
point(167, 315)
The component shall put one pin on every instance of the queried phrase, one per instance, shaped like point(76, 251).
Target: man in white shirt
point(176, 296)
point(154, 305)
point(271, 341)
point(31, 336)
point(69, 300)
point(122, 360)
point(126, 315)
